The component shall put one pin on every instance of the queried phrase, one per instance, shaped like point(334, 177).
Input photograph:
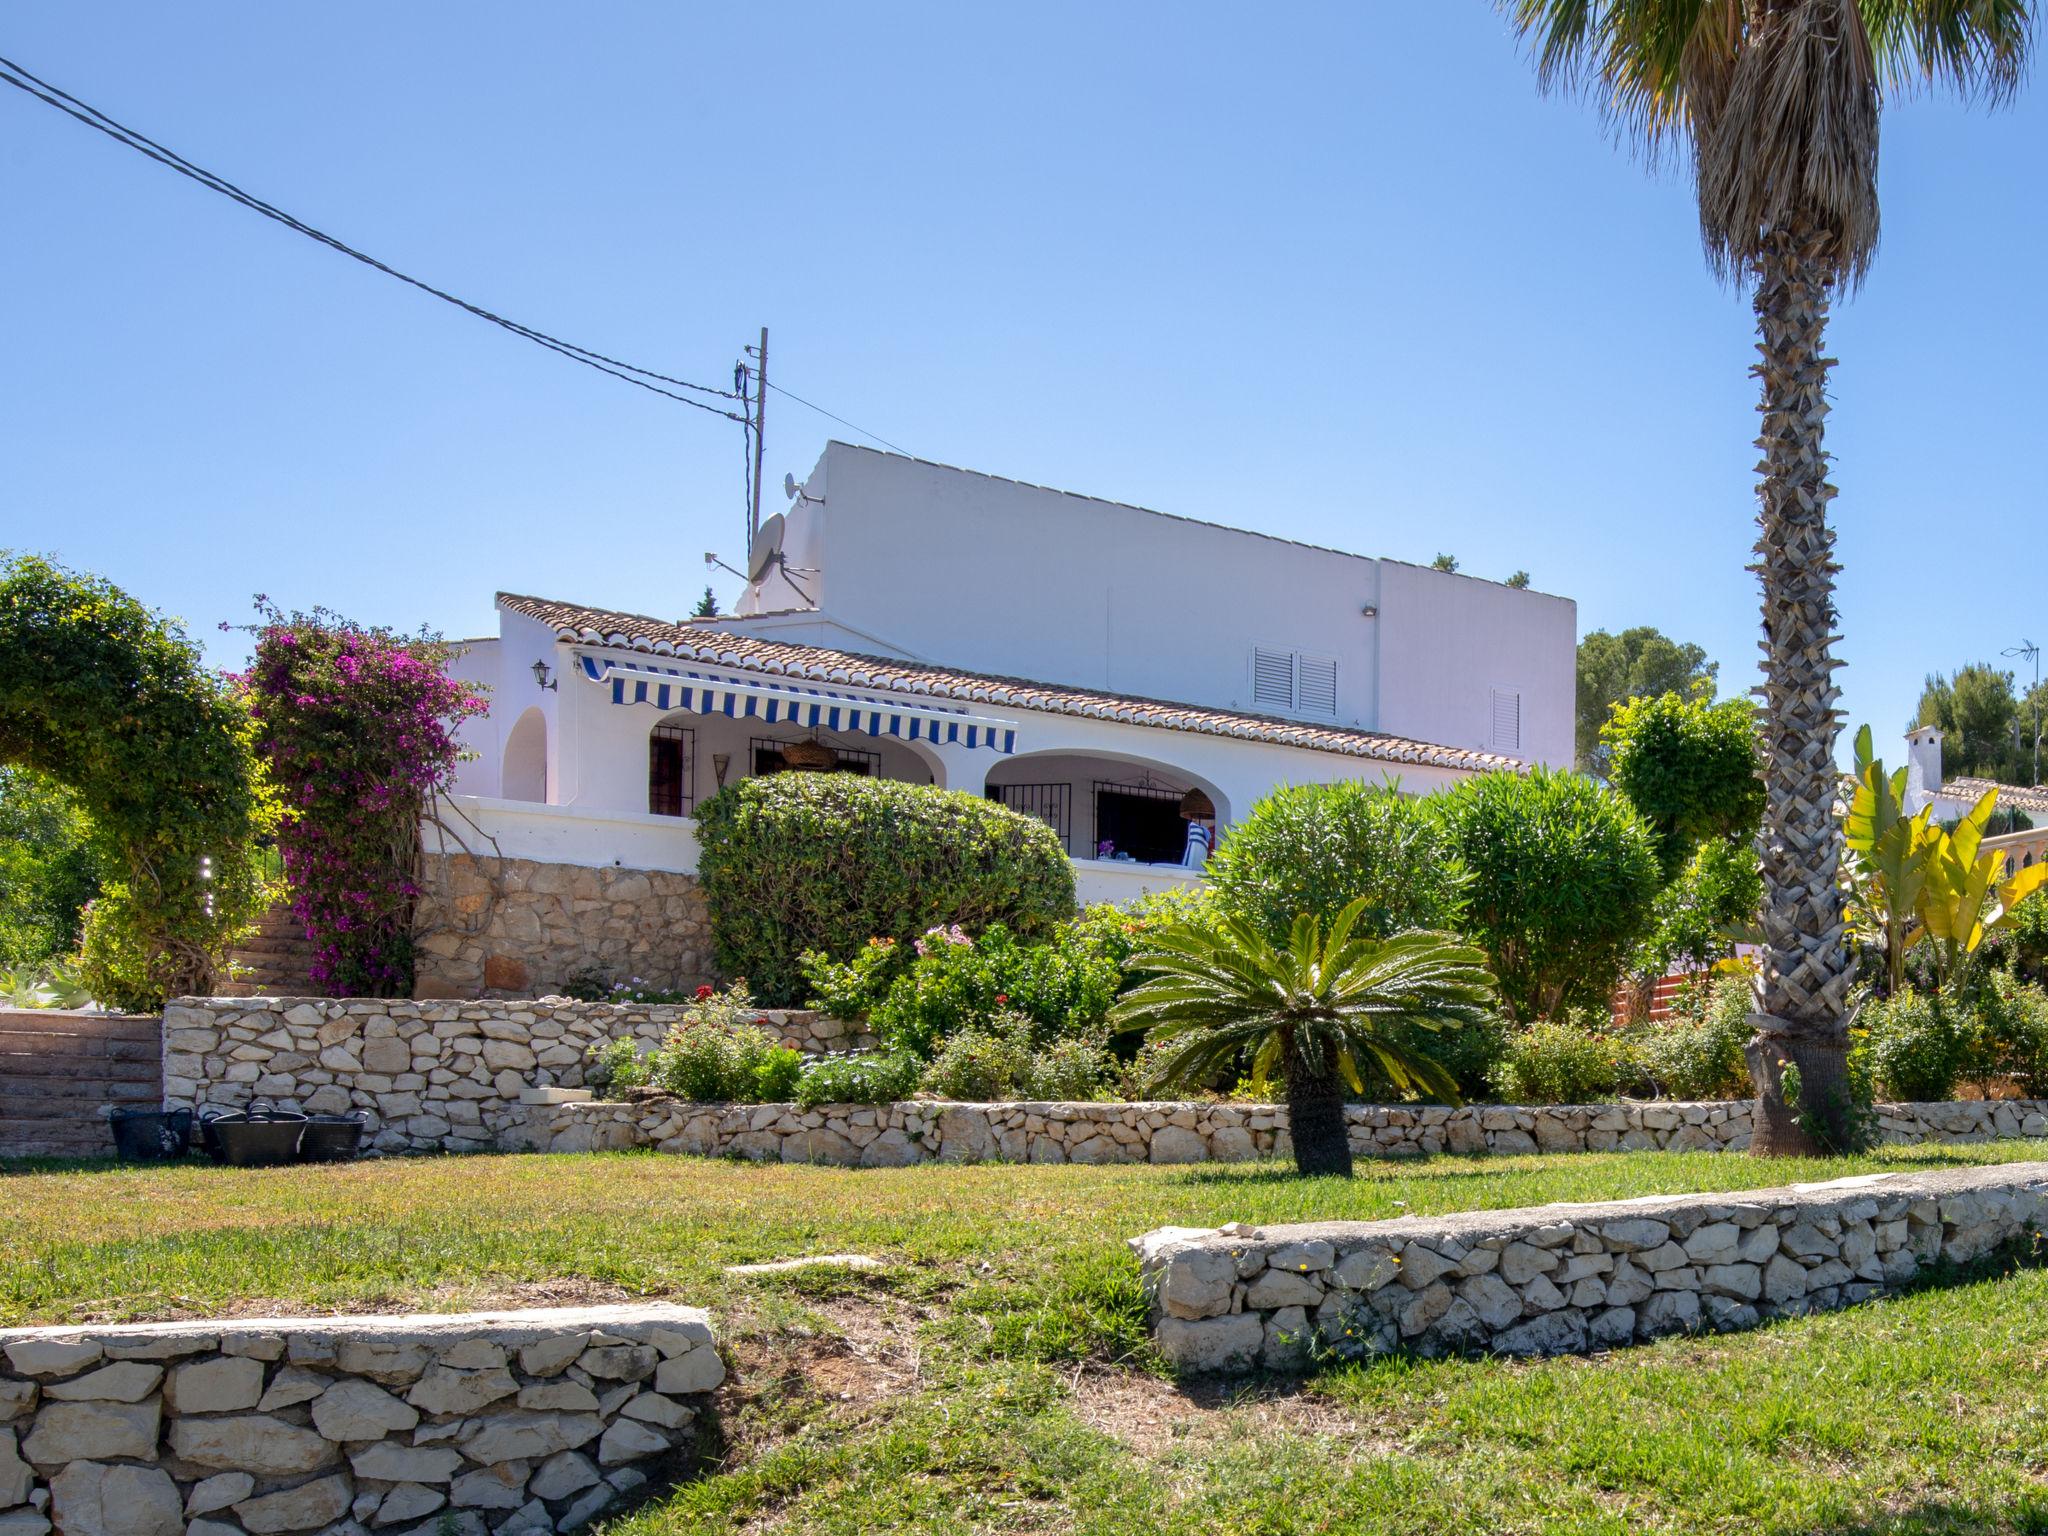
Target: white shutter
point(1316, 685)
point(1272, 678)
point(1507, 720)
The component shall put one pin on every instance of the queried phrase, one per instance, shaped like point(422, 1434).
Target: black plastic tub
point(252, 1137)
point(151, 1135)
point(331, 1139)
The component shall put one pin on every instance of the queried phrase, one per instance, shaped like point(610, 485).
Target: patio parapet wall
point(471, 1423)
point(894, 1135)
point(429, 1076)
point(1561, 1279)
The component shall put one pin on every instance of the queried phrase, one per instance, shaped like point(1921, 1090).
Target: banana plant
point(1892, 852)
point(1961, 897)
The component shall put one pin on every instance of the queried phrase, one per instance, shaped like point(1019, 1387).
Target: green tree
point(1690, 768)
point(112, 701)
point(1316, 847)
point(1563, 884)
point(1445, 563)
point(49, 869)
point(1637, 663)
point(1519, 581)
point(707, 606)
point(1315, 1009)
point(1979, 716)
point(1776, 103)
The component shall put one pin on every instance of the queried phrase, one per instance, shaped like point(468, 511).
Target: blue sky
point(1343, 276)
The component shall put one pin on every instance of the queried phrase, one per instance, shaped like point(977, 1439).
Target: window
point(1140, 820)
point(1050, 803)
point(1300, 682)
point(767, 754)
point(671, 770)
point(1506, 733)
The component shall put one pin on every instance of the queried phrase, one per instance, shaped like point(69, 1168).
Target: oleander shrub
point(870, 1077)
point(1562, 885)
point(825, 862)
point(1697, 1052)
point(1315, 848)
point(1563, 1062)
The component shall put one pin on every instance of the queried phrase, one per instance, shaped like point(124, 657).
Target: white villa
point(1123, 674)
point(1953, 798)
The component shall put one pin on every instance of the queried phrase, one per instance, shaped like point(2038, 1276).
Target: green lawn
point(994, 1377)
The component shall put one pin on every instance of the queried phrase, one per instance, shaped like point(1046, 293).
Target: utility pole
point(760, 435)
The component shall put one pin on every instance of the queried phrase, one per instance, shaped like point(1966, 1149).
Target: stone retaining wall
point(431, 1076)
point(1558, 1279)
point(507, 1422)
point(496, 927)
point(892, 1135)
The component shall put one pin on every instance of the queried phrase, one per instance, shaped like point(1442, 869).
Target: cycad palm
point(1776, 103)
point(1314, 1008)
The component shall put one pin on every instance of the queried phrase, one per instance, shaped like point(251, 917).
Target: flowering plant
point(358, 726)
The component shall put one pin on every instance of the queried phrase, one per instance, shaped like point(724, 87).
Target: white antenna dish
point(789, 487)
point(767, 548)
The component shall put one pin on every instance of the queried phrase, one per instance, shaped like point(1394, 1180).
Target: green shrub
point(715, 1054)
point(1563, 883)
point(1316, 847)
point(2009, 1034)
point(915, 995)
point(825, 862)
point(49, 868)
point(1691, 768)
point(1919, 1045)
point(1697, 1052)
point(868, 1078)
point(1720, 890)
point(1073, 1070)
point(2026, 938)
point(1564, 1063)
point(983, 1063)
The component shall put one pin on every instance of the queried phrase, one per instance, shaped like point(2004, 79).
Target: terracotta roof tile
point(2010, 796)
point(700, 640)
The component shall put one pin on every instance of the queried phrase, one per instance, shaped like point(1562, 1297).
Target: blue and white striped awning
point(676, 691)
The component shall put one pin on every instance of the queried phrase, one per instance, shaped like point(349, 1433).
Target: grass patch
point(1019, 1393)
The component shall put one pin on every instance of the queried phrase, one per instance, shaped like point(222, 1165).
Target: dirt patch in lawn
point(1153, 1416)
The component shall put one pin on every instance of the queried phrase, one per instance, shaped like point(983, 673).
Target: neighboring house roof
point(698, 642)
point(2010, 796)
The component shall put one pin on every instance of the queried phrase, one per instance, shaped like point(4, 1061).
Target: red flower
point(1002, 998)
point(702, 993)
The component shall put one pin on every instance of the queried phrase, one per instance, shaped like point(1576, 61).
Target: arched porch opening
point(1113, 807)
point(525, 770)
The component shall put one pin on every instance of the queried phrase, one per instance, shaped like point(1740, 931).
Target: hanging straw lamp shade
point(1196, 806)
point(811, 756)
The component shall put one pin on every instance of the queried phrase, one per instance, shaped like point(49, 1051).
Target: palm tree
point(1775, 103)
point(1314, 1008)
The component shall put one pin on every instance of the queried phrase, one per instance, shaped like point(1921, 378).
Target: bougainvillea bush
point(359, 728)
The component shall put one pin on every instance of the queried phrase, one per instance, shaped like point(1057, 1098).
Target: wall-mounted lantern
point(540, 676)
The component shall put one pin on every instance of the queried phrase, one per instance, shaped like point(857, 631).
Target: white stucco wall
point(992, 575)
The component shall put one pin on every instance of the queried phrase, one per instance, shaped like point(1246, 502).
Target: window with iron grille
point(671, 770)
point(1050, 803)
point(1142, 820)
point(767, 756)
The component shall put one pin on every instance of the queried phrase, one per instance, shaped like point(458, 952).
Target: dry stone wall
point(1559, 1279)
point(497, 927)
point(508, 1423)
point(429, 1076)
point(892, 1135)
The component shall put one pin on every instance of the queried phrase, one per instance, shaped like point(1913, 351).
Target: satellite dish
point(789, 487)
point(767, 548)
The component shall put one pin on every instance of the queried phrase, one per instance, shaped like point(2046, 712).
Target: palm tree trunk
point(1802, 988)
point(1315, 1120)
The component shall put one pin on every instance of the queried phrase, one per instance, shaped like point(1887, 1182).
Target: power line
point(21, 79)
point(863, 431)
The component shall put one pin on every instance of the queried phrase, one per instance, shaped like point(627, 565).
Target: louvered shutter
point(1316, 685)
point(1507, 720)
point(1272, 678)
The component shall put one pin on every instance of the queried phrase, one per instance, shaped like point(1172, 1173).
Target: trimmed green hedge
point(826, 861)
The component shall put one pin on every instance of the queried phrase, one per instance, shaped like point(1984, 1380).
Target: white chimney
point(1923, 767)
